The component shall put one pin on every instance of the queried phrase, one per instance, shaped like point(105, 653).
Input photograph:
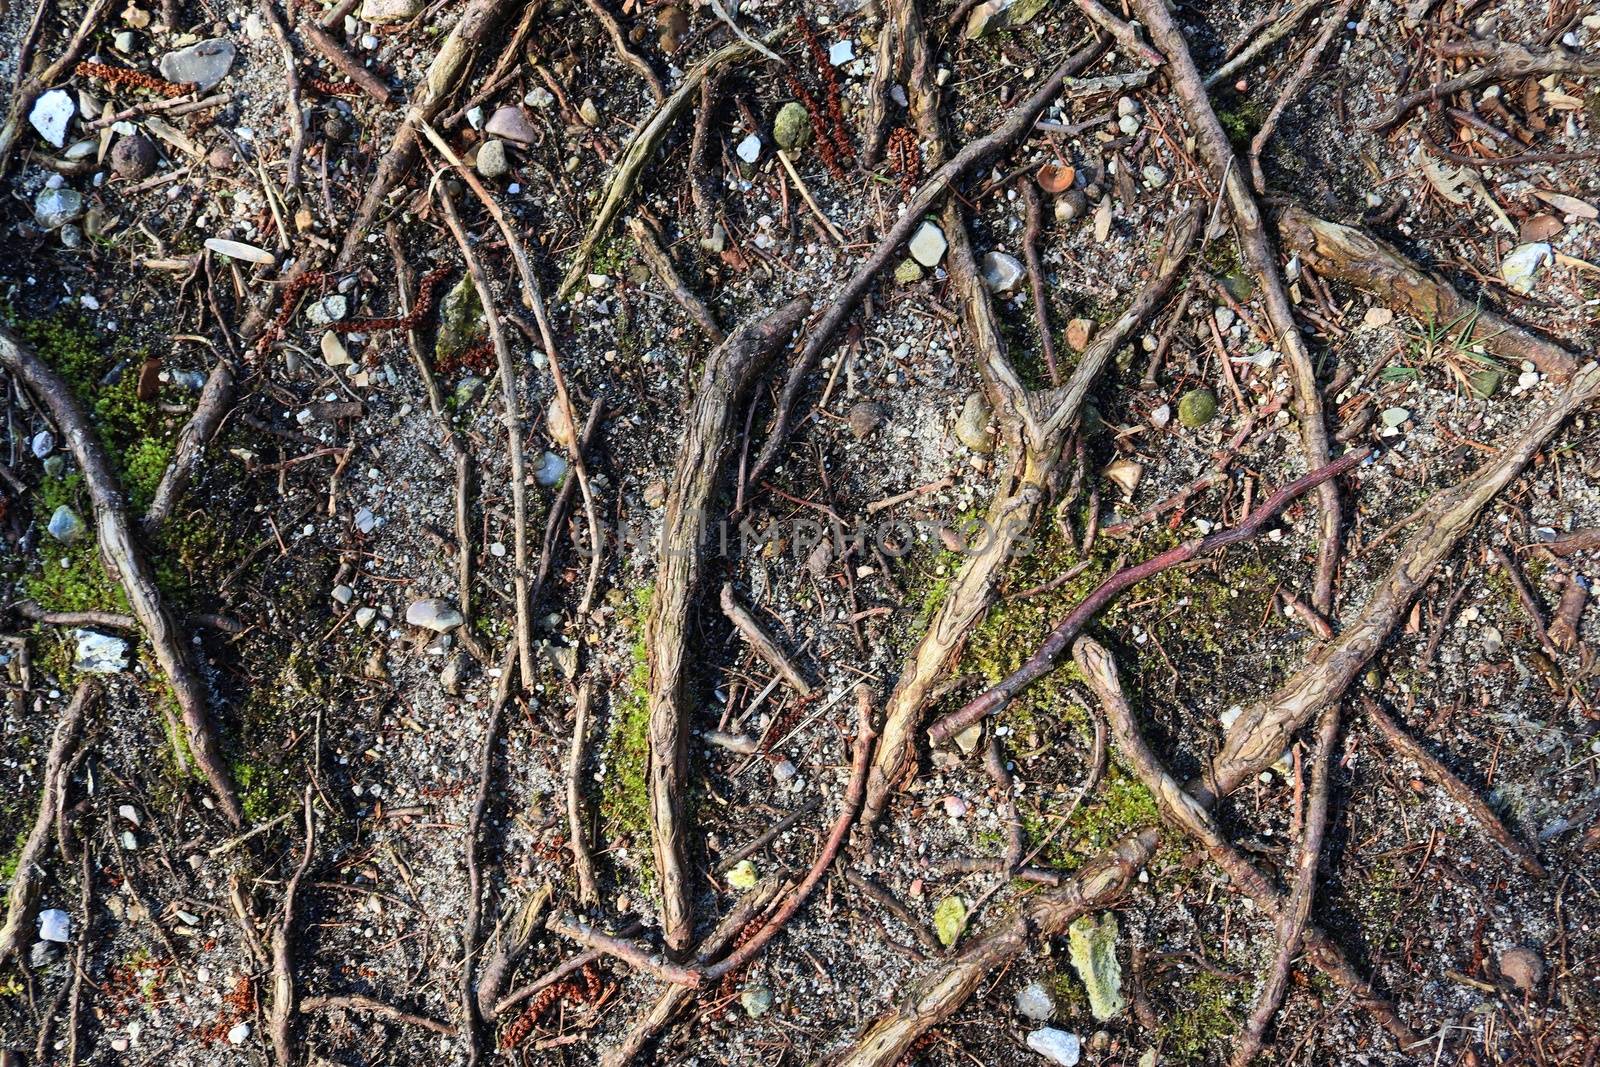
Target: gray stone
point(381, 12)
point(1393, 416)
point(54, 208)
point(366, 521)
point(792, 128)
point(1057, 1046)
point(565, 657)
point(343, 594)
point(44, 443)
point(365, 616)
point(492, 160)
point(928, 244)
point(865, 417)
point(125, 41)
point(1092, 948)
point(756, 1001)
point(511, 124)
point(434, 613)
point(908, 272)
point(330, 308)
point(552, 468)
point(1002, 273)
point(972, 427)
point(65, 526)
point(99, 653)
point(51, 114)
point(55, 925)
point(43, 954)
point(1035, 1002)
point(133, 157)
point(202, 65)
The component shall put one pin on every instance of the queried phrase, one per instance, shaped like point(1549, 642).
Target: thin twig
point(761, 642)
point(577, 824)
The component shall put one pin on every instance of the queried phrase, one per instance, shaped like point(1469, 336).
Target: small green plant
point(625, 802)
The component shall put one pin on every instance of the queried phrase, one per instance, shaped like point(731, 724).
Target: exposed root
point(1508, 63)
point(281, 1020)
point(619, 42)
point(761, 642)
point(1332, 23)
point(190, 448)
point(660, 264)
point(368, 1006)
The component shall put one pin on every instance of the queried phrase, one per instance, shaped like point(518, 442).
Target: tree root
point(1217, 151)
point(660, 264)
point(368, 1006)
point(281, 1021)
point(1354, 256)
point(619, 42)
point(1332, 23)
point(1462, 793)
point(629, 952)
point(761, 642)
point(25, 884)
point(727, 377)
point(191, 444)
point(124, 560)
point(1126, 36)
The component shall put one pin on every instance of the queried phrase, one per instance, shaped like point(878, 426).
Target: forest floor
point(391, 638)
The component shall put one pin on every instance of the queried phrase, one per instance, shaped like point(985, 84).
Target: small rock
point(1539, 228)
point(54, 208)
point(672, 24)
point(1124, 474)
point(365, 616)
point(202, 65)
point(742, 875)
point(865, 417)
point(1127, 106)
point(749, 149)
point(792, 127)
point(434, 613)
point(588, 112)
point(1071, 205)
point(1376, 317)
point(955, 807)
point(784, 771)
point(511, 124)
point(43, 443)
point(1522, 967)
point(335, 129)
point(1485, 382)
point(98, 653)
point(124, 41)
point(133, 157)
point(756, 1001)
point(238, 1033)
point(343, 594)
point(1224, 318)
point(129, 812)
point(1035, 1002)
point(221, 158)
point(1128, 124)
point(1002, 273)
point(1197, 407)
point(55, 925)
point(1393, 416)
point(972, 427)
point(51, 114)
point(380, 12)
point(65, 526)
point(1161, 416)
point(908, 272)
point(967, 740)
point(565, 657)
point(330, 308)
point(1522, 265)
point(43, 954)
point(655, 494)
point(950, 920)
point(1154, 176)
point(1078, 331)
point(715, 241)
point(334, 353)
point(928, 245)
point(492, 160)
point(1057, 1046)
point(556, 421)
point(552, 468)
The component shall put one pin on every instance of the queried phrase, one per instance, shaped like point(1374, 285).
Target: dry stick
point(1030, 254)
point(25, 883)
point(1356, 257)
point(348, 65)
point(296, 115)
point(80, 955)
point(367, 1006)
point(1308, 62)
point(643, 1028)
point(660, 264)
point(765, 837)
point(941, 993)
point(533, 299)
point(1586, 539)
point(281, 1021)
point(558, 510)
point(33, 86)
point(761, 642)
point(1125, 34)
point(1511, 62)
point(568, 966)
point(1275, 33)
point(1043, 660)
point(512, 944)
point(842, 304)
point(1462, 793)
point(887, 901)
point(112, 620)
point(480, 808)
point(729, 372)
point(1218, 152)
point(619, 41)
point(1529, 602)
point(637, 152)
point(512, 418)
point(1255, 742)
point(478, 21)
point(1180, 808)
point(191, 445)
point(1292, 924)
point(1568, 618)
point(123, 558)
point(629, 952)
point(853, 795)
point(577, 829)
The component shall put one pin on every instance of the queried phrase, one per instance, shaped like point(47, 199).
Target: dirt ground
point(313, 565)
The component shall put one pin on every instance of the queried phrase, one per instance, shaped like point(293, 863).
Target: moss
point(1204, 1018)
point(625, 801)
point(8, 864)
point(1241, 120)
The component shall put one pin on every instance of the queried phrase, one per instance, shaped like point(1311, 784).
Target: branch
point(1510, 62)
point(577, 828)
point(761, 642)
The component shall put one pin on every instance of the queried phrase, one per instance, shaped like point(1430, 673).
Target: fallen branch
point(1459, 791)
point(761, 642)
point(1509, 63)
point(281, 1021)
point(368, 1006)
point(294, 115)
point(1043, 660)
point(124, 560)
point(190, 447)
point(347, 64)
point(1356, 257)
point(728, 374)
point(480, 806)
point(660, 264)
point(577, 825)
point(619, 41)
point(1217, 151)
point(514, 935)
point(640, 959)
point(1274, 33)
point(1528, 600)
point(24, 890)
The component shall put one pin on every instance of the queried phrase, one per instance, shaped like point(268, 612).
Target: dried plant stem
point(761, 642)
point(294, 114)
point(577, 824)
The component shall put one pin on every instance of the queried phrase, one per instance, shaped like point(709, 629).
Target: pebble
point(1154, 176)
point(334, 353)
point(1002, 273)
point(43, 954)
point(928, 245)
point(1128, 124)
point(1528, 379)
point(908, 272)
point(756, 1001)
point(343, 594)
point(124, 41)
point(330, 308)
point(365, 616)
point(673, 24)
point(792, 126)
point(1393, 417)
point(1127, 106)
point(967, 740)
point(379, 12)
point(44, 443)
point(1125, 474)
point(1057, 1046)
point(133, 157)
point(239, 1033)
point(512, 125)
point(55, 925)
point(366, 521)
point(434, 613)
point(955, 807)
point(1376, 317)
point(492, 160)
point(1161, 416)
point(552, 468)
point(841, 52)
point(51, 114)
point(1522, 265)
point(972, 427)
point(99, 653)
point(202, 65)
point(1522, 967)
point(1224, 318)
point(54, 208)
point(129, 812)
point(784, 771)
point(865, 417)
point(65, 525)
point(588, 112)
point(1071, 205)
point(1197, 407)
point(749, 149)
point(1078, 332)
point(1034, 1002)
